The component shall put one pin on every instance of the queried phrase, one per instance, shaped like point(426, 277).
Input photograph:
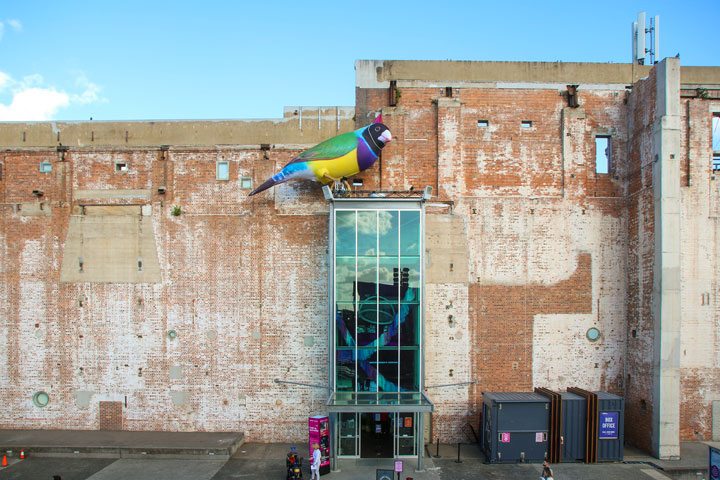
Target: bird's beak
point(386, 137)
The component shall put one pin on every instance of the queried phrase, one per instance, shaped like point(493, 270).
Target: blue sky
point(137, 60)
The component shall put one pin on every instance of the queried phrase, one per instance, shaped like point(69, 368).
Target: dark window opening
point(603, 157)
point(121, 167)
point(483, 123)
point(526, 123)
point(449, 92)
point(393, 93)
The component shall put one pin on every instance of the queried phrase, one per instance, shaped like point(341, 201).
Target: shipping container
point(515, 427)
point(611, 428)
point(574, 425)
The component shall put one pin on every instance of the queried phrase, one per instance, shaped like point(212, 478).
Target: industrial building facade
point(569, 238)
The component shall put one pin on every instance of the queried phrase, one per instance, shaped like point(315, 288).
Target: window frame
point(218, 176)
point(608, 154)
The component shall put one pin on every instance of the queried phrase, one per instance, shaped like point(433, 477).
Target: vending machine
point(319, 430)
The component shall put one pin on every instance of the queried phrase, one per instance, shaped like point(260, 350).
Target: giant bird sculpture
point(335, 159)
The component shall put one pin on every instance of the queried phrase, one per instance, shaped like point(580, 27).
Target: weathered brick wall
point(700, 382)
point(244, 287)
point(640, 261)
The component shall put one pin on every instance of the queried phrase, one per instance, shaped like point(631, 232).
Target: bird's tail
point(270, 182)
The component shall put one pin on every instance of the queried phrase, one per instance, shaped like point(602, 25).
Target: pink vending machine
point(319, 429)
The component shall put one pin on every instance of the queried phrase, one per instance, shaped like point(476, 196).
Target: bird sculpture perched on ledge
point(335, 159)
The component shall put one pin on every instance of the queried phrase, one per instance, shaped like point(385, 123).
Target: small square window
point(45, 167)
point(246, 183)
point(121, 167)
point(483, 123)
point(526, 123)
point(222, 171)
point(716, 162)
point(603, 154)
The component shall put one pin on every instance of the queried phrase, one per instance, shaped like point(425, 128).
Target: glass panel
point(409, 373)
point(345, 368)
point(367, 233)
point(367, 279)
point(388, 370)
point(345, 232)
point(347, 425)
point(222, 170)
point(345, 333)
point(367, 370)
point(716, 132)
point(345, 279)
point(410, 232)
point(410, 279)
point(388, 277)
point(406, 427)
point(388, 232)
point(388, 325)
point(602, 154)
point(406, 446)
point(347, 446)
point(367, 324)
point(409, 322)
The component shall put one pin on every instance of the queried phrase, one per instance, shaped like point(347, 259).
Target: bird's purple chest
point(365, 156)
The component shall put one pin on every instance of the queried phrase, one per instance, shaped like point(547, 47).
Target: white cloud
point(14, 24)
point(32, 101)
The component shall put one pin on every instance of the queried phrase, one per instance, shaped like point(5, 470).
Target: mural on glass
point(377, 300)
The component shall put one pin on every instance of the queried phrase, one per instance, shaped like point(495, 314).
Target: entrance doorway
point(376, 435)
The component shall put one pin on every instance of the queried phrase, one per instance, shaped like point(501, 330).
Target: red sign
point(408, 422)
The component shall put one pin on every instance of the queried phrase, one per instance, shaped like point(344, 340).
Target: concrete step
point(119, 444)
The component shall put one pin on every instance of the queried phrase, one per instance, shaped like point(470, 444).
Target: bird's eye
point(377, 129)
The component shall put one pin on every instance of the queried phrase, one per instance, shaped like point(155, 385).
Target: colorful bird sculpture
point(335, 159)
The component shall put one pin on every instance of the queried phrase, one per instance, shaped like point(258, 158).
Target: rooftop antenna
point(640, 30)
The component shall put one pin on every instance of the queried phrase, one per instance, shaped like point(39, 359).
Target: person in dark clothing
point(547, 473)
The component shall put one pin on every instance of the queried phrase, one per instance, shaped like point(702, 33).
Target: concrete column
point(666, 269)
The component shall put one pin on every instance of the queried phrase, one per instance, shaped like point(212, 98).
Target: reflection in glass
point(389, 278)
point(367, 371)
point(406, 446)
point(367, 233)
point(367, 277)
point(409, 332)
point(345, 279)
point(409, 369)
point(367, 323)
point(388, 370)
point(347, 424)
point(345, 315)
point(388, 325)
point(410, 232)
point(388, 232)
point(345, 232)
point(347, 446)
point(345, 368)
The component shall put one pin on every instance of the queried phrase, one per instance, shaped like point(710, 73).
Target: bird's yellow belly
point(344, 166)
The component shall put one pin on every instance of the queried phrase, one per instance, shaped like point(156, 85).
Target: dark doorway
point(376, 435)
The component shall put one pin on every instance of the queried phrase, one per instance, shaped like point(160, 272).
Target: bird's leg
point(337, 183)
point(346, 183)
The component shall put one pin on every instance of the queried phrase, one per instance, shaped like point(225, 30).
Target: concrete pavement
point(207, 456)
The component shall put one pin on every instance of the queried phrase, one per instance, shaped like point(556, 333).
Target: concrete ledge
point(121, 444)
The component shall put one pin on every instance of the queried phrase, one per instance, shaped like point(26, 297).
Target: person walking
point(547, 473)
point(315, 465)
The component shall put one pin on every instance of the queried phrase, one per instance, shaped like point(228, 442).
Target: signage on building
point(505, 437)
point(608, 428)
point(714, 467)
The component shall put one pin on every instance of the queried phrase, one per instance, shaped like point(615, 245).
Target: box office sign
point(608, 428)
